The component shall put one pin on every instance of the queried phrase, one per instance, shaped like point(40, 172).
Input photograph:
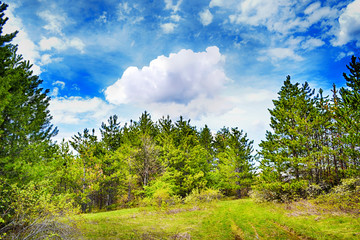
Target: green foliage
point(203, 196)
point(345, 197)
point(161, 192)
point(24, 114)
point(33, 212)
point(234, 162)
point(279, 191)
point(313, 140)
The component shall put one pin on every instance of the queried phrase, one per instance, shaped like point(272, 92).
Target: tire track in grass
point(290, 232)
point(256, 233)
point(238, 233)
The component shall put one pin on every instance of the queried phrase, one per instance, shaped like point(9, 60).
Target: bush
point(203, 196)
point(314, 190)
point(279, 191)
point(344, 197)
point(32, 212)
point(160, 194)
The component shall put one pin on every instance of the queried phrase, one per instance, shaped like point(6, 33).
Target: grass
point(236, 219)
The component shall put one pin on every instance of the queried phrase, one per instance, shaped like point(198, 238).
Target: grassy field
point(236, 219)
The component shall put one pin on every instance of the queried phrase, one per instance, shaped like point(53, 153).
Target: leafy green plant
point(345, 197)
point(203, 196)
point(34, 212)
point(279, 191)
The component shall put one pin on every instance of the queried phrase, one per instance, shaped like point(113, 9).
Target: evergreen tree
point(24, 115)
point(111, 134)
point(348, 115)
point(288, 152)
point(206, 138)
point(235, 162)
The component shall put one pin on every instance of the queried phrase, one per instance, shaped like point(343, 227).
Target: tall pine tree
point(24, 115)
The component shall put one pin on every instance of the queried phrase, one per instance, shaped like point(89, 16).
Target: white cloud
point(349, 25)
point(168, 27)
point(26, 47)
point(197, 108)
point(246, 109)
point(321, 13)
point(175, 18)
point(280, 16)
point(77, 43)
point(312, 43)
point(54, 22)
point(343, 54)
point(102, 18)
point(180, 78)
point(77, 110)
point(312, 8)
point(47, 59)
point(130, 13)
point(47, 44)
point(223, 3)
point(174, 7)
point(206, 17)
point(123, 10)
point(277, 54)
point(61, 84)
point(52, 42)
point(216, 3)
point(55, 92)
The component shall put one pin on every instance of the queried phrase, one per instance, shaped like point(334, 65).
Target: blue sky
point(216, 62)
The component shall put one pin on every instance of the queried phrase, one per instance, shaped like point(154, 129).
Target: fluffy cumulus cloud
point(77, 110)
point(349, 22)
point(180, 78)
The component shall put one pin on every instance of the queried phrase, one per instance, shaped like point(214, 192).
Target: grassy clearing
point(237, 219)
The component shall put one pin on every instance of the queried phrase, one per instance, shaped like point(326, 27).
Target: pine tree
point(235, 162)
point(24, 115)
point(288, 151)
point(348, 115)
point(111, 134)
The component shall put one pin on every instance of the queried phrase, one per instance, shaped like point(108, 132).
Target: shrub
point(279, 191)
point(314, 190)
point(160, 194)
point(203, 196)
point(32, 212)
point(344, 197)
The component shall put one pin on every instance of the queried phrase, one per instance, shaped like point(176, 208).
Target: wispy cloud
point(169, 5)
point(277, 54)
point(54, 22)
